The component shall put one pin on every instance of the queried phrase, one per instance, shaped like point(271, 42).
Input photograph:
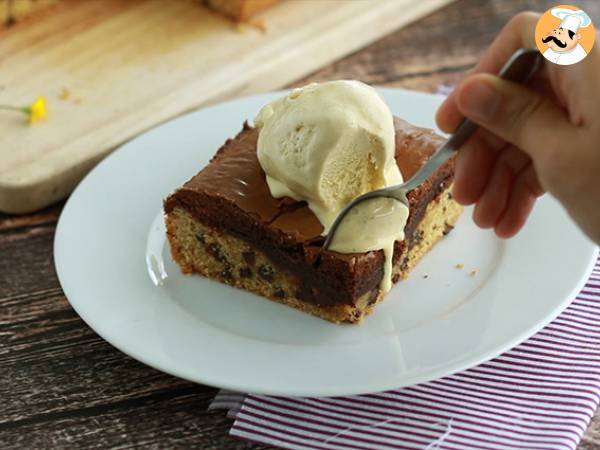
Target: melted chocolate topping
point(239, 178)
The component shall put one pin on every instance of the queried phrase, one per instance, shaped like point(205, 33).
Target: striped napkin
point(540, 395)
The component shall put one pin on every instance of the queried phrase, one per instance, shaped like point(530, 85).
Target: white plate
point(110, 243)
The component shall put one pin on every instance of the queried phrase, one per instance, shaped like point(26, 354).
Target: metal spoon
point(519, 68)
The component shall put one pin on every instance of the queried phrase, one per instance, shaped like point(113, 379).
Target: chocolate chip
point(448, 228)
point(418, 236)
point(201, 238)
point(215, 251)
point(403, 266)
point(396, 277)
point(250, 258)
point(246, 272)
point(266, 272)
point(227, 274)
point(279, 293)
point(373, 297)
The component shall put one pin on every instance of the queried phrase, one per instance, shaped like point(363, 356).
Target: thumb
point(513, 112)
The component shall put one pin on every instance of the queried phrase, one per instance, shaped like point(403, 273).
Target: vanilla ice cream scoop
point(327, 143)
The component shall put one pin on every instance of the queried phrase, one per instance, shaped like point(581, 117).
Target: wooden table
point(61, 386)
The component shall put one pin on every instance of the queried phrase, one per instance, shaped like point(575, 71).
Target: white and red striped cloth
point(540, 395)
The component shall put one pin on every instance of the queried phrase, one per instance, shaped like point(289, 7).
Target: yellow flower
point(37, 111)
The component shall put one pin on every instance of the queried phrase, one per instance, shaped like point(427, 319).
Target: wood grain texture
point(111, 69)
point(63, 387)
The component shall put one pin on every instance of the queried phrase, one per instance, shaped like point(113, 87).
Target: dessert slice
point(225, 224)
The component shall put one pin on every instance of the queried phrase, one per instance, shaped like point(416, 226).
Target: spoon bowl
point(519, 69)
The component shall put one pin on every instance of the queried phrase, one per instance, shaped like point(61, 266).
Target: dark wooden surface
point(61, 386)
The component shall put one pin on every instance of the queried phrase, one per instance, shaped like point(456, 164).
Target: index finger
point(517, 33)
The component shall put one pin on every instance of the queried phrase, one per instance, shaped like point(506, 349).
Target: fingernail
point(478, 100)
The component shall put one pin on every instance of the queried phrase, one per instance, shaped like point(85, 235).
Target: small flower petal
point(38, 110)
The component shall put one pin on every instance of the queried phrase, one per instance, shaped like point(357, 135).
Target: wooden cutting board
point(111, 69)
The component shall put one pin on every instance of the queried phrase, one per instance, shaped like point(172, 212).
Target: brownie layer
point(219, 255)
point(231, 194)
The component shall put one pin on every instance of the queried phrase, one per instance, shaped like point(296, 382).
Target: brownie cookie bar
point(224, 224)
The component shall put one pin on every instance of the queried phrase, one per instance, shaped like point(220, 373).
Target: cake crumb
point(259, 24)
point(472, 273)
point(460, 266)
point(64, 94)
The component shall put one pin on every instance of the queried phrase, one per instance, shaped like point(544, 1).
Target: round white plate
point(114, 266)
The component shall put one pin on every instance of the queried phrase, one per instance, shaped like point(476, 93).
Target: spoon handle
point(519, 68)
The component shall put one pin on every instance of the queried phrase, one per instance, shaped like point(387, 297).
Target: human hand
point(535, 138)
